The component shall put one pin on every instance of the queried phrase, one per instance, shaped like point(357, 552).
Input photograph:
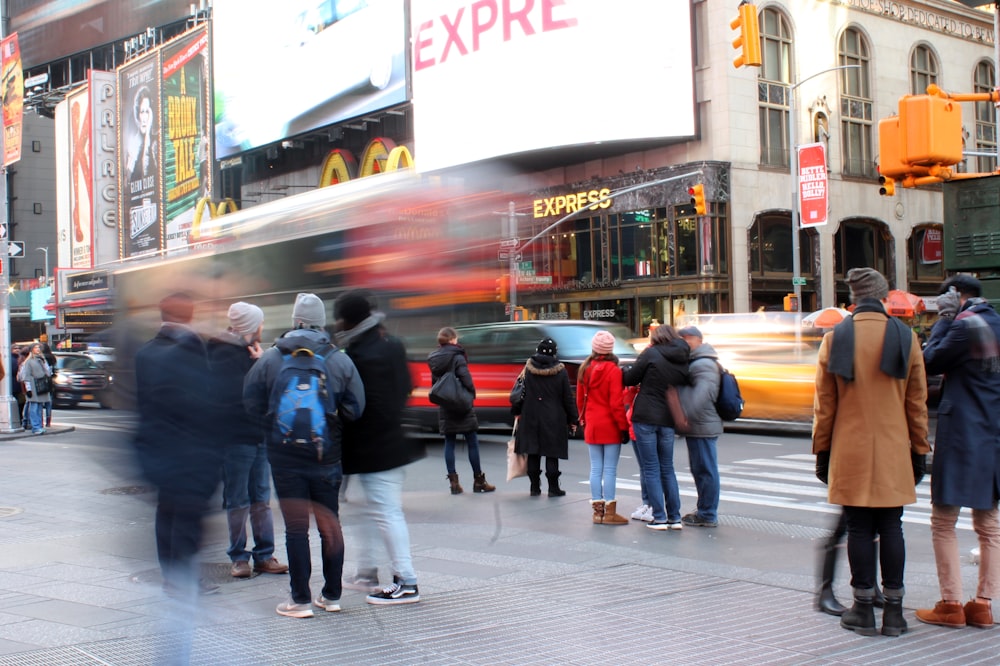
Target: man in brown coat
point(870, 441)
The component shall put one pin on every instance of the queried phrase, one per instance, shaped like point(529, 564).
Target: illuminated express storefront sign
point(571, 203)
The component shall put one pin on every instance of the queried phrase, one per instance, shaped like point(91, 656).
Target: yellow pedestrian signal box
point(791, 303)
point(931, 130)
point(890, 158)
point(697, 193)
point(748, 42)
point(503, 288)
point(887, 186)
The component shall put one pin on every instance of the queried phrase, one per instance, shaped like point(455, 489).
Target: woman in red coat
point(605, 426)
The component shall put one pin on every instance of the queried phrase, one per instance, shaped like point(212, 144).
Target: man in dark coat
point(548, 415)
point(246, 474)
point(376, 449)
point(175, 442)
point(966, 468)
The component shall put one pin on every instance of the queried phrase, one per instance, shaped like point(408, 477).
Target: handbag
point(517, 393)
point(517, 463)
point(43, 385)
point(449, 393)
point(677, 410)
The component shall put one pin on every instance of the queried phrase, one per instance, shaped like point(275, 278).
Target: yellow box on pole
point(890, 162)
point(931, 130)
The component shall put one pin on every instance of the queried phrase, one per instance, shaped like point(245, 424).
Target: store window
point(924, 253)
point(862, 244)
point(856, 105)
point(923, 69)
point(986, 118)
point(638, 235)
point(771, 247)
point(773, 87)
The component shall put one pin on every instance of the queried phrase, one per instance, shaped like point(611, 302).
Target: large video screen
point(492, 78)
point(285, 68)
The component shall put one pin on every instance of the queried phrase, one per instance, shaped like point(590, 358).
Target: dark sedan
point(78, 379)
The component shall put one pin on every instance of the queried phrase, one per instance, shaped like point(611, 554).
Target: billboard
point(104, 153)
point(187, 151)
point(139, 172)
point(491, 81)
point(13, 99)
point(312, 63)
point(813, 185)
point(81, 176)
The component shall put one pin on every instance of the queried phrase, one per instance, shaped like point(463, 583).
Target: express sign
point(812, 184)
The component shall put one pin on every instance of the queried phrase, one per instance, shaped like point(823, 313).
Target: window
point(771, 246)
point(856, 105)
point(923, 69)
point(860, 244)
point(924, 253)
point(773, 88)
point(986, 119)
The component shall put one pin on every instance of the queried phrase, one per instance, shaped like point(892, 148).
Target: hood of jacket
point(704, 350)
point(543, 365)
point(314, 340)
point(675, 351)
point(440, 360)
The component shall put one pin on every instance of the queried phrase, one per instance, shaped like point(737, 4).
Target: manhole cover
point(8, 511)
point(126, 490)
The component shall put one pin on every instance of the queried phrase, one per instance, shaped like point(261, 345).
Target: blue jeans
point(311, 488)
point(382, 512)
point(603, 470)
point(705, 469)
point(656, 444)
point(642, 479)
point(35, 411)
point(247, 493)
point(472, 441)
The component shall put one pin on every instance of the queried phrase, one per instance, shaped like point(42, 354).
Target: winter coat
point(34, 367)
point(966, 468)
point(377, 442)
point(548, 409)
point(658, 366)
point(600, 403)
point(229, 360)
point(440, 361)
point(698, 398)
point(872, 424)
point(342, 380)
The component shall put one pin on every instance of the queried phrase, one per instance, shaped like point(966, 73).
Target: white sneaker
point(291, 609)
point(329, 605)
point(641, 512)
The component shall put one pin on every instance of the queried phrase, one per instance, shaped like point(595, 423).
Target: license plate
point(86, 396)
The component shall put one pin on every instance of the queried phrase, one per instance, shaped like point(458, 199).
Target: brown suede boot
point(978, 614)
point(479, 484)
point(610, 516)
point(598, 506)
point(456, 489)
point(944, 613)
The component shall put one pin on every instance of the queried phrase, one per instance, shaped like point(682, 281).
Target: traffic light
point(503, 288)
point(749, 40)
point(888, 186)
point(697, 193)
point(930, 130)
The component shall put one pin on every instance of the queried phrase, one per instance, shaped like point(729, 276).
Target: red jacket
point(599, 401)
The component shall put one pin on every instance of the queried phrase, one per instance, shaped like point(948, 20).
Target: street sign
point(15, 248)
point(3, 231)
point(801, 281)
point(510, 242)
point(508, 255)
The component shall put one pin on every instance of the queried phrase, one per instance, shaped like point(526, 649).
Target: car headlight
point(61, 380)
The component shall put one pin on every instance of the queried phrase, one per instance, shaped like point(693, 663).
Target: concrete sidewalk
point(504, 579)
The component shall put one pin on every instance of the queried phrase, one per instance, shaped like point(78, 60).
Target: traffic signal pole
point(9, 419)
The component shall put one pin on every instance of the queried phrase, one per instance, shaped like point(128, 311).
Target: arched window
point(856, 104)
point(986, 118)
point(771, 246)
point(924, 260)
point(861, 243)
point(923, 69)
point(773, 87)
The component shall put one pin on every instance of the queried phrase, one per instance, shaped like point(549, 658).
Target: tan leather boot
point(456, 489)
point(610, 516)
point(479, 484)
point(598, 506)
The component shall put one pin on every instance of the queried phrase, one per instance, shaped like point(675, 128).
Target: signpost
point(15, 248)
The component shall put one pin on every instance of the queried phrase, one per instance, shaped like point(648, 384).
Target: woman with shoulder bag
point(450, 356)
point(605, 426)
point(36, 376)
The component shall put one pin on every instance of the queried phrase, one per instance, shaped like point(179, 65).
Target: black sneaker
point(397, 593)
point(694, 520)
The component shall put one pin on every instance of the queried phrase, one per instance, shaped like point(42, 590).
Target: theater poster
point(187, 147)
point(140, 159)
point(13, 99)
point(81, 179)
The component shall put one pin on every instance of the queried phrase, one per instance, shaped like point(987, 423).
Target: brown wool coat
point(870, 425)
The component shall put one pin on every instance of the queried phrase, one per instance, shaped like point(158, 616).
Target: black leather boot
point(536, 483)
point(893, 622)
point(861, 617)
point(826, 602)
point(554, 489)
point(878, 601)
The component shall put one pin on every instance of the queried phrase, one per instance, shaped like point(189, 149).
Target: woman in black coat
point(450, 356)
point(548, 414)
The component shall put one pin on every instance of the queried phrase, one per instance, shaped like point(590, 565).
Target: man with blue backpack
point(303, 389)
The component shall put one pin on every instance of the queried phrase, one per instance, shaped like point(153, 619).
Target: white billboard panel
point(494, 78)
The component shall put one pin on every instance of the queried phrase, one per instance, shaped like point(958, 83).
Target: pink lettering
point(421, 43)
point(521, 17)
point(453, 36)
point(478, 26)
point(548, 23)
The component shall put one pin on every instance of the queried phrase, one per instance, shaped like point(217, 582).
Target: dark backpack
point(301, 408)
point(729, 404)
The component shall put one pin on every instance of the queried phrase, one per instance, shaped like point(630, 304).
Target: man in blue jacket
point(965, 347)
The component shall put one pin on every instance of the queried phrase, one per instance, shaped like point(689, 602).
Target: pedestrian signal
point(503, 288)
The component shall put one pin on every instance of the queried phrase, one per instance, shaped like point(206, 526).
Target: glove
point(823, 466)
point(948, 304)
point(919, 461)
point(626, 438)
point(29, 394)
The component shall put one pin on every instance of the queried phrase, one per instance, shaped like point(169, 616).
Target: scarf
point(982, 342)
point(344, 338)
point(895, 344)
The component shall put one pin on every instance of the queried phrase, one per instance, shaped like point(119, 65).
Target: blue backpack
point(301, 408)
point(729, 403)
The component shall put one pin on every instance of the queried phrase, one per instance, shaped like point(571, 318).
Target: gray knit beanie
point(867, 283)
point(245, 318)
point(309, 311)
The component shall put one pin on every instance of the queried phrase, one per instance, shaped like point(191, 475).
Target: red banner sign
point(812, 184)
point(13, 99)
point(931, 248)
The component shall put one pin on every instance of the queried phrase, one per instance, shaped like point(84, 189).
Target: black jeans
point(316, 489)
point(863, 525)
point(535, 464)
point(178, 536)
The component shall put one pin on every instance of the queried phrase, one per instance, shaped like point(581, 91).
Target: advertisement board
point(489, 80)
point(311, 64)
point(104, 143)
point(813, 185)
point(187, 151)
point(13, 99)
point(81, 176)
point(139, 172)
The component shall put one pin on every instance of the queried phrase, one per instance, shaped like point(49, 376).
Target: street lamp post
point(46, 251)
point(793, 160)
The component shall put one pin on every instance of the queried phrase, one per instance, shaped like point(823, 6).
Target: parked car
point(497, 353)
point(79, 379)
